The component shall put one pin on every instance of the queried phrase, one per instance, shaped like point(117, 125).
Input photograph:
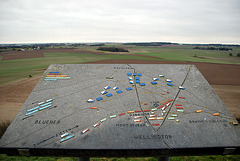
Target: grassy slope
point(12, 70)
point(20, 68)
point(186, 53)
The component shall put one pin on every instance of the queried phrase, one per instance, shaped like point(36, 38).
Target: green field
point(12, 70)
point(186, 53)
point(183, 53)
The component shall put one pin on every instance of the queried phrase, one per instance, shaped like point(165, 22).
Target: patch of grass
point(24, 158)
point(186, 57)
point(182, 158)
point(207, 158)
point(124, 56)
point(3, 127)
point(12, 70)
point(186, 53)
point(6, 50)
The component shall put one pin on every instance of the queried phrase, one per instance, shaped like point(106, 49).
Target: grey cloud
point(122, 20)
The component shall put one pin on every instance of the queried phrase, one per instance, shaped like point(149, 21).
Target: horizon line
point(108, 42)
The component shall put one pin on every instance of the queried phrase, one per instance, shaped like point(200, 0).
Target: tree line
point(213, 48)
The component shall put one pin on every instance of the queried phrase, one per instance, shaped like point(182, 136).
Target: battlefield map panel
point(122, 107)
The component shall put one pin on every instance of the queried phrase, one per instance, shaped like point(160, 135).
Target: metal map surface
point(122, 110)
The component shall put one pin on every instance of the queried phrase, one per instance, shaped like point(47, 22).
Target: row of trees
point(213, 48)
point(151, 43)
point(101, 44)
point(30, 46)
point(112, 49)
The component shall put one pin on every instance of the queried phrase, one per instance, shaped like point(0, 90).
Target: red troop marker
point(155, 124)
point(137, 117)
point(168, 104)
point(138, 111)
point(179, 107)
point(147, 110)
point(182, 97)
point(170, 100)
point(145, 103)
point(97, 124)
point(122, 114)
point(84, 131)
point(164, 108)
point(167, 91)
point(153, 115)
point(137, 120)
point(165, 103)
point(160, 106)
point(178, 104)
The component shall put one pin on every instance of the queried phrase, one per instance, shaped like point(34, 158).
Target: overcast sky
point(183, 21)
